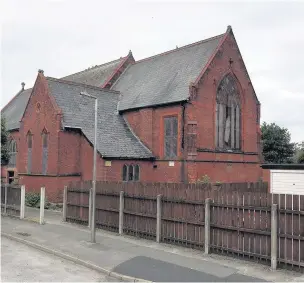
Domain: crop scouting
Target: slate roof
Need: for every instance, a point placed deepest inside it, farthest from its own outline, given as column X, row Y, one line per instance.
column 164, row 78
column 115, row 138
column 14, row 110
column 97, row 75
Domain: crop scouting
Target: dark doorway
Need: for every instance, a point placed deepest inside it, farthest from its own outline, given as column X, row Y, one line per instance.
column 11, row 175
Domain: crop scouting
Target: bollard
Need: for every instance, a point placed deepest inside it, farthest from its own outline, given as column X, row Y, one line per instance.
column 64, row 207
column 42, row 199
column 274, row 236
column 158, row 219
column 121, row 214
column 207, row 225
column 22, row 203
column 5, row 199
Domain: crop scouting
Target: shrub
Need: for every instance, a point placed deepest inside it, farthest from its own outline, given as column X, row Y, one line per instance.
column 32, row 199
column 204, row 180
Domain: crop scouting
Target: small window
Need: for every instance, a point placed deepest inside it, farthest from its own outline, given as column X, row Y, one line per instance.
column 125, row 172
column 136, row 173
column 130, row 173
column 12, row 153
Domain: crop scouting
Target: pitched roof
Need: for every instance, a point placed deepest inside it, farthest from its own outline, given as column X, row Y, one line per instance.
column 115, row 139
column 96, row 75
column 164, row 78
column 14, row 110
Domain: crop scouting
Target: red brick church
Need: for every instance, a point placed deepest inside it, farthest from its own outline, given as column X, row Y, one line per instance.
column 173, row 117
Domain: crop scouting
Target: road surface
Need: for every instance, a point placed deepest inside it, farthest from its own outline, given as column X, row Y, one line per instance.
column 22, row 263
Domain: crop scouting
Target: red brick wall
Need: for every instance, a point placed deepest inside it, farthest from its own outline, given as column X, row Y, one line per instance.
column 147, row 124
column 202, row 110
column 35, row 120
column 69, row 152
column 53, row 185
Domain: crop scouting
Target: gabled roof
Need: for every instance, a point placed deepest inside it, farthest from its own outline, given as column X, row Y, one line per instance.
column 96, row 75
column 115, row 139
column 14, row 110
column 164, row 78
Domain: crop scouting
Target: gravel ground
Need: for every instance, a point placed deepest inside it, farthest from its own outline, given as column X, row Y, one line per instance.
column 22, row 263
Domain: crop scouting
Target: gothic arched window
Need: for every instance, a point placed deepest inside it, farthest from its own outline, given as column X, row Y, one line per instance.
column 228, row 114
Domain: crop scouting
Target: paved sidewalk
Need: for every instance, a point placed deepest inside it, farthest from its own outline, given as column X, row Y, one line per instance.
column 141, row 258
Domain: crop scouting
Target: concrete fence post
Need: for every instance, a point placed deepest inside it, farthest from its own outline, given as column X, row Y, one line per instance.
column 64, row 206
column 207, row 225
column 158, row 218
column 90, row 208
column 42, row 200
column 121, row 212
column 5, row 199
column 22, row 202
column 274, row 236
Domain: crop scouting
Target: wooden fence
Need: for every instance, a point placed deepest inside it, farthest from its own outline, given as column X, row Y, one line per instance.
column 240, row 217
column 11, row 199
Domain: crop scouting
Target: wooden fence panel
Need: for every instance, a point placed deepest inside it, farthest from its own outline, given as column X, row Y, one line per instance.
column 240, row 220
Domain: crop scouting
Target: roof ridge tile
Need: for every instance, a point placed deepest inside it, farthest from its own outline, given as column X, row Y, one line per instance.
column 95, row 67
column 179, row 48
column 81, row 84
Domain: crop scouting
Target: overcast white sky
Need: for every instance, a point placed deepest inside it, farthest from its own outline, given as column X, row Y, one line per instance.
column 63, row 37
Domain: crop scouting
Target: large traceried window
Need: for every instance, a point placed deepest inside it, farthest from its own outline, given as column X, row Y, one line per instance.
column 12, row 153
column 44, row 151
column 29, row 138
column 228, row 114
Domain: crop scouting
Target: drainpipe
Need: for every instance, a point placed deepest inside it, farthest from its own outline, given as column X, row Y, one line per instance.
column 183, row 167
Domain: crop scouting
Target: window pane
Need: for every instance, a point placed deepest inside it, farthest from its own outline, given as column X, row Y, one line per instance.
column 170, row 138
column 45, row 140
column 29, row 141
column 124, row 173
column 29, row 161
column 136, row 174
column 168, row 130
column 44, row 160
column 131, row 173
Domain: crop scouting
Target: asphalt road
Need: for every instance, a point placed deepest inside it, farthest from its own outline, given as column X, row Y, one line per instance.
column 20, row 263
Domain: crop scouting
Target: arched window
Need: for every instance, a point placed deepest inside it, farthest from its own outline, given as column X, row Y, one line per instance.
column 29, row 138
column 228, row 114
column 44, row 151
column 125, row 173
column 130, row 173
column 12, row 153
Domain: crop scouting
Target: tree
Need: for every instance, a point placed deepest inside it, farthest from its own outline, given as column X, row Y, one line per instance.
column 4, row 143
column 299, row 153
column 300, row 159
column 277, row 147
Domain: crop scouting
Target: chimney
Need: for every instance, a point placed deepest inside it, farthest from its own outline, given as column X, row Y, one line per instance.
column 22, row 86
column 40, row 71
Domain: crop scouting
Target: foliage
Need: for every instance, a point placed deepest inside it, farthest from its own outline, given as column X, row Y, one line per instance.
column 299, row 153
column 277, row 147
column 204, row 180
column 4, row 143
column 33, row 200
column 301, row 158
